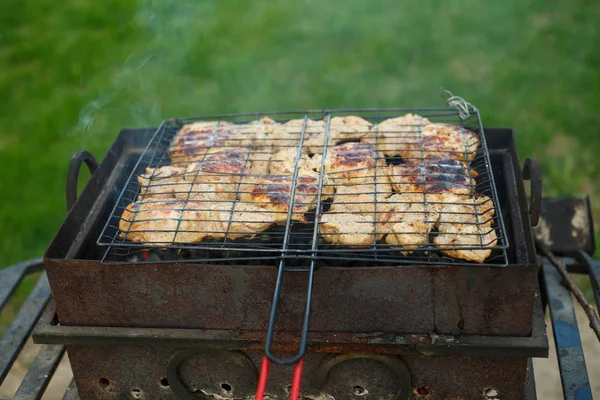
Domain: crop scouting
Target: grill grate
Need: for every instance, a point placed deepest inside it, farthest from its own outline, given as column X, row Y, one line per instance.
column 371, row 190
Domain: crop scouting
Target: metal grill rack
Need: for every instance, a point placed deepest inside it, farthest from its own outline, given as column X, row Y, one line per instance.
column 272, row 165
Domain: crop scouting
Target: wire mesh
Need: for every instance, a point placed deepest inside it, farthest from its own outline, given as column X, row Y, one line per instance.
column 378, row 185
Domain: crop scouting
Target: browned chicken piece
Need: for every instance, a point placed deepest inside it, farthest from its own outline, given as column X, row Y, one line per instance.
column 418, row 142
column 161, row 183
column 433, row 176
column 351, row 219
column 217, row 177
column 246, row 220
column 466, row 221
column 259, row 130
column 393, row 135
column 351, row 163
column 226, row 166
column 415, row 216
column 356, row 164
column 162, row 222
column 179, row 221
column 173, row 183
column 284, row 162
column 443, row 141
column 351, row 230
column 230, row 163
column 349, row 128
column 288, row 135
column 273, row 193
column 259, row 160
column 195, row 141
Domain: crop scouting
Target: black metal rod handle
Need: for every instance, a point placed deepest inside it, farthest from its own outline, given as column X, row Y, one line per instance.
column 73, row 174
column 532, row 172
column 272, row 319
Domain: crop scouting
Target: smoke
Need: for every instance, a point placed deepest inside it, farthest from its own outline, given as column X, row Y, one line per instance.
column 144, row 89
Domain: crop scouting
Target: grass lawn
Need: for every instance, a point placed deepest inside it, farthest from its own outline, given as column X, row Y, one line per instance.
column 73, row 73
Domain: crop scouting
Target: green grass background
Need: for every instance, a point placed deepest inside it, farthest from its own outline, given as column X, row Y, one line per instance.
column 73, row 73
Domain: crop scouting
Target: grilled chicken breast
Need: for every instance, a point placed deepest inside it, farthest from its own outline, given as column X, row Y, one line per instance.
column 466, row 221
column 288, row 135
column 414, row 217
column 160, row 183
column 415, row 139
column 432, row 176
column 283, row 162
column 274, row 193
column 178, row 221
column 392, row 136
column 195, row 141
column 355, row 219
column 356, row 164
column 346, row 129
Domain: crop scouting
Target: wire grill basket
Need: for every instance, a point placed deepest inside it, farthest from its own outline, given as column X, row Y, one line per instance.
column 378, row 186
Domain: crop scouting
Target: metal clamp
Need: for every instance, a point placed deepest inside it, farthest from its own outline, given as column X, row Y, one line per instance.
column 73, row 174
column 533, row 173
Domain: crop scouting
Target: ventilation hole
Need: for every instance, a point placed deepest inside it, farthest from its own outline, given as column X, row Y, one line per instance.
column 226, row 387
column 288, row 389
column 422, row 391
column 137, row 393
column 491, row 393
column 359, row 390
column 104, row 382
column 164, row 382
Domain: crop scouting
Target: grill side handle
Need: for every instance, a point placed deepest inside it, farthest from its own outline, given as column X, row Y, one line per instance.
column 73, row 174
column 532, row 172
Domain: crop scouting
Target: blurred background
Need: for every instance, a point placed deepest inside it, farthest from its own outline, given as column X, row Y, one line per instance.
column 73, row 73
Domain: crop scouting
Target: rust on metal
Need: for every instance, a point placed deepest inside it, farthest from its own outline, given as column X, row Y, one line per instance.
column 144, row 369
column 566, row 225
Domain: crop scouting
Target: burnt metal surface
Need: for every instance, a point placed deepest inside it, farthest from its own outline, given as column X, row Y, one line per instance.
column 389, row 300
column 440, row 378
column 571, row 361
column 566, row 225
column 536, row 345
column 345, row 298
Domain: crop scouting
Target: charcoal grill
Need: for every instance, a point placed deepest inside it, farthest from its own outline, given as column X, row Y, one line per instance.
column 388, row 326
column 299, row 242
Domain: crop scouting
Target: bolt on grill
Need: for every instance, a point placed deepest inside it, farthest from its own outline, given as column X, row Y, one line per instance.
column 381, row 186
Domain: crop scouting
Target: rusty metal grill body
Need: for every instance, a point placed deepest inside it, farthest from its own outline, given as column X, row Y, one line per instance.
column 290, row 239
column 440, row 322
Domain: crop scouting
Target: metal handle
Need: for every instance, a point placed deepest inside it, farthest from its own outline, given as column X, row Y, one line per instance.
column 533, row 173
column 264, row 378
column 73, row 174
